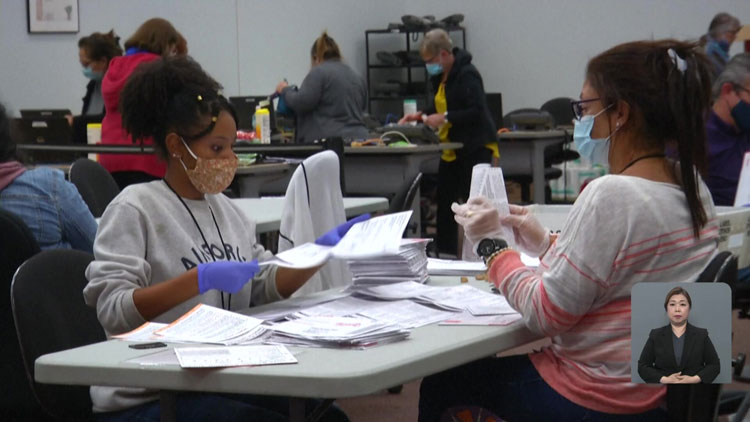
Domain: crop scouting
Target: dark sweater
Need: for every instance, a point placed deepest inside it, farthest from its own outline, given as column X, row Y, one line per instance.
column 470, row 118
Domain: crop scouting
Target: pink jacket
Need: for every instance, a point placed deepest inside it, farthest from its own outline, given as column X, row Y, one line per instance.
column 120, row 69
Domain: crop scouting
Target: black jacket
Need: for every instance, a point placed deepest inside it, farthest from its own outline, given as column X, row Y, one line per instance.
column 698, row 356
column 470, row 118
column 80, row 122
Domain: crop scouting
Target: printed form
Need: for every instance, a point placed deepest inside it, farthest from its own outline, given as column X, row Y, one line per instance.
column 374, row 237
column 207, row 324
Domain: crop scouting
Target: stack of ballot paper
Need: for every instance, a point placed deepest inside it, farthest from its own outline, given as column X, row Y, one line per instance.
column 455, row 298
column 408, row 264
column 207, row 324
column 338, row 332
column 367, row 239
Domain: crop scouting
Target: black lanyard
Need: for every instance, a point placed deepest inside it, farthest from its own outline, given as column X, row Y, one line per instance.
column 205, row 241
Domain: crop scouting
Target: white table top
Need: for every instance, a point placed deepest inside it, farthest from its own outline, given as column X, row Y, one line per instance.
column 322, row 373
column 266, row 211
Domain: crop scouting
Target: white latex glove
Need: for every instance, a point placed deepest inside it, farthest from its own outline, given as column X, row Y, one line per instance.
column 530, row 236
column 479, row 218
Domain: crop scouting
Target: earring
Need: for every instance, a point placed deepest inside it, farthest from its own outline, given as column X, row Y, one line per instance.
column 175, row 155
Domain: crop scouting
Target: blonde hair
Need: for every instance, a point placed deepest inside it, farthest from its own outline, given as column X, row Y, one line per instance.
column 435, row 41
column 325, row 48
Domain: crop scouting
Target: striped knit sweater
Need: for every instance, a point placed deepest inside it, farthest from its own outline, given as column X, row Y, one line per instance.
column 622, row 230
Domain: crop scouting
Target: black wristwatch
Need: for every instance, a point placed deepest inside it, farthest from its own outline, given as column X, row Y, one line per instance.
column 489, row 246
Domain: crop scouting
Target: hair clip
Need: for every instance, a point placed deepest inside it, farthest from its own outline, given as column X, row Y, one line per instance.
column 200, row 98
column 679, row 63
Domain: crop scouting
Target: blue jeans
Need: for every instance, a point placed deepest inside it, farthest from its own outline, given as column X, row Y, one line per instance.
column 512, row 389
column 221, row 407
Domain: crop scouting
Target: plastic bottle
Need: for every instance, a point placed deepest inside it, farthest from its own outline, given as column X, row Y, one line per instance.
column 263, row 125
column 93, row 137
column 410, row 107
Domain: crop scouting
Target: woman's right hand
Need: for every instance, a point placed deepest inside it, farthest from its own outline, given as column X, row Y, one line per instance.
column 411, row 117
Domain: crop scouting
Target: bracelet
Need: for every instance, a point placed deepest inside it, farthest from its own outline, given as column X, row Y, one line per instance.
column 488, row 261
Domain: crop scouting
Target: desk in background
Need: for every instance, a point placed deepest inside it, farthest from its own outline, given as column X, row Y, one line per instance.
column 266, row 212
column 251, row 178
column 522, row 152
column 320, row 373
column 379, row 171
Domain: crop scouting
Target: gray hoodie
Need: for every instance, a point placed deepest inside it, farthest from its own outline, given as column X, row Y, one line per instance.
column 329, row 103
column 145, row 237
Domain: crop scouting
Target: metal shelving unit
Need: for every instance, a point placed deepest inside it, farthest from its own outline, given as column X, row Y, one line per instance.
column 409, row 67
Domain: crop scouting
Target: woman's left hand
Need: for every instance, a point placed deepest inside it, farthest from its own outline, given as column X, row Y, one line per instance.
column 281, row 85
column 686, row 379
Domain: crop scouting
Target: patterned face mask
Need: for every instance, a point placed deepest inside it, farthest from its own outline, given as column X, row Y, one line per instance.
column 210, row 176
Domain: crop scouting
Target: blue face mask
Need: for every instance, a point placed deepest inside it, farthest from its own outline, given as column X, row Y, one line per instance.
column 91, row 74
column 594, row 150
column 434, row 69
column 741, row 116
column 724, row 45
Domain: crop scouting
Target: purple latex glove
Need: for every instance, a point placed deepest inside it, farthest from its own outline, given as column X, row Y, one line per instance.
column 227, row 276
column 333, row 236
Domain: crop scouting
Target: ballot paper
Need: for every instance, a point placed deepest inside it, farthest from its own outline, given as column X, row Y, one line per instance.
column 405, row 314
column 282, row 309
column 370, row 238
column 409, row 263
column 493, row 320
column 437, row 266
column 142, row 333
column 326, row 331
column 207, row 324
column 341, row 307
column 395, row 291
column 462, row 297
column 160, row 358
column 219, row 357
column 454, row 298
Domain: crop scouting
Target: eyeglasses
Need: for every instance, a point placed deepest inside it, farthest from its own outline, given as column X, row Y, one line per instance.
column 577, row 109
column 741, row 88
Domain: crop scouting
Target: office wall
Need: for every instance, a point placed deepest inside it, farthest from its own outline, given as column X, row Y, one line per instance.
column 530, row 50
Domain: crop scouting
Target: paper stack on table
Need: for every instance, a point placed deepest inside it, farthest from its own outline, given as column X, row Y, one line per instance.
column 337, row 332
column 207, row 324
column 455, row 298
column 408, row 264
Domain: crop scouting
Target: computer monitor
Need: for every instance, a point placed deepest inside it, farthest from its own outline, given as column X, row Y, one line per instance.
column 44, row 113
column 44, row 131
column 245, row 108
column 495, row 104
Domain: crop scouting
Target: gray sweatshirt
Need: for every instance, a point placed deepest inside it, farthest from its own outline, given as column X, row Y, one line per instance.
column 329, row 103
column 146, row 236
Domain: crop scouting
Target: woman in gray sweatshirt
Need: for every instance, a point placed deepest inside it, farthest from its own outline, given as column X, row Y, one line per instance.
column 164, row 246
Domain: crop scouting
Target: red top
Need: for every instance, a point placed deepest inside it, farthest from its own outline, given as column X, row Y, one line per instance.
column 120, row 69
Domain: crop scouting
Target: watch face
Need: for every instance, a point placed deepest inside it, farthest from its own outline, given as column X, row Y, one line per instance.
column 488, row 246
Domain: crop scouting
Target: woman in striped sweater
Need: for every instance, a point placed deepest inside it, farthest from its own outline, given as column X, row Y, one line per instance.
column 650, row 220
